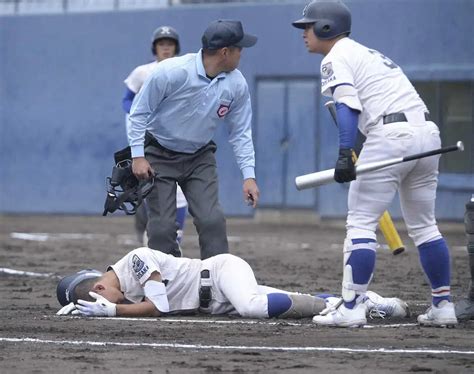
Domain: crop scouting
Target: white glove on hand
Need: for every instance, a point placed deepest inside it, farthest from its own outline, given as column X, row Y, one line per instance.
column 100, row 307
column 65, row 310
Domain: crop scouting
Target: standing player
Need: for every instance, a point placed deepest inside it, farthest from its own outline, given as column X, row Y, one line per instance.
column 373, row 94
column 179, row 108
column 146, row 282
column 164, row 44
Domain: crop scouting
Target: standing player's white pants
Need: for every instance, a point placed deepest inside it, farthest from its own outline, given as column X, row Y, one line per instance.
column 416, row 181
column 235, row 289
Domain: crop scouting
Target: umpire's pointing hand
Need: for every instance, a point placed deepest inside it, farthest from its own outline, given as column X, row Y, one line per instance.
column 251, row 192
column 141, row 168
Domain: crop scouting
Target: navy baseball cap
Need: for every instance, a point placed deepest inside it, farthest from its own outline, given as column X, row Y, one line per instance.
column 226, row 33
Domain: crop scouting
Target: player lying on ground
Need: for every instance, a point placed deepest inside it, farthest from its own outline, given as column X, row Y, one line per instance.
column 147, row 283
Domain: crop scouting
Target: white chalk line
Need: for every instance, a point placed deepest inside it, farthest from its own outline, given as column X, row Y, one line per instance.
column 27, row 273
column 238, row 347
column 227, row 322
column 129, row 239
column 44, row 236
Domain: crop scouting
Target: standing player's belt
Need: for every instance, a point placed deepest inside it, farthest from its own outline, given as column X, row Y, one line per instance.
column 205, row 293
column 400, row 117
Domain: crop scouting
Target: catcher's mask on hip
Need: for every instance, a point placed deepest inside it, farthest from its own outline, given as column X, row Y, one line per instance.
column 124, row 191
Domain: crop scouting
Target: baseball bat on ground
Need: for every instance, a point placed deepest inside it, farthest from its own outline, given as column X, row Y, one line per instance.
column 321, row 178
column 386, row 225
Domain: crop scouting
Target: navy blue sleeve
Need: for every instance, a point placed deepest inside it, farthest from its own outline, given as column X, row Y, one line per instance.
column 347, row 119
column 127, row 100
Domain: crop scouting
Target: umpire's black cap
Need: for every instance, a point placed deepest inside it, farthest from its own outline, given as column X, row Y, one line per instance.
column 226, row 33
column 66, row 286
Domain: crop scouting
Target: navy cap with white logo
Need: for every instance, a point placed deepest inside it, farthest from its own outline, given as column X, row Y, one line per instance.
column 226, row 33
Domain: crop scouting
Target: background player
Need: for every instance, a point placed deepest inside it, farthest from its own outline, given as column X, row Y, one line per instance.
column 164, row 44
column 147, row 282
column 373, row 94
column 178, row 110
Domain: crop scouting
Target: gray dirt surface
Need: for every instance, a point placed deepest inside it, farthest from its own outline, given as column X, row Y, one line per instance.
column 300, row 258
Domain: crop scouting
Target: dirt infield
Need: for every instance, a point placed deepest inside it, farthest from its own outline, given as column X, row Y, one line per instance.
column 307, row 259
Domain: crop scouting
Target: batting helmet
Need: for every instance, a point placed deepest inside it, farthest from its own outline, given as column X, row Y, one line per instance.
column 165, row 32
column 330, row 18
column 67, row 286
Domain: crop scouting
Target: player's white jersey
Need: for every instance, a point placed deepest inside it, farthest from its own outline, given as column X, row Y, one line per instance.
column 381, row 85
column 181, row 276
column 139, row 75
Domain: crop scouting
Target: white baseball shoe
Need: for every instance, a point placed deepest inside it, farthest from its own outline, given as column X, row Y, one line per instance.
column 342, row 316
column 442, row 315
column 384, row 307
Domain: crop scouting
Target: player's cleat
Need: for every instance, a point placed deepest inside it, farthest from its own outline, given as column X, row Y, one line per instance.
column 442, row 315
column 342, row 316
column 383, row 307
column 464, row 309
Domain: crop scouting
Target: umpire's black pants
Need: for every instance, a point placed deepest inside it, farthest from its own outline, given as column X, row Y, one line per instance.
column 197, row 175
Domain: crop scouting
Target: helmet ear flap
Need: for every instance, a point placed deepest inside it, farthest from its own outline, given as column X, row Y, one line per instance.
column 323, row 28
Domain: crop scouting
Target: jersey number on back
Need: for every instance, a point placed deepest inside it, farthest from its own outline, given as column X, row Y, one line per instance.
column 386, row 61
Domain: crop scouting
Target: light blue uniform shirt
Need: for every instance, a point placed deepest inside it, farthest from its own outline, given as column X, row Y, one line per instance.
column 181, row 108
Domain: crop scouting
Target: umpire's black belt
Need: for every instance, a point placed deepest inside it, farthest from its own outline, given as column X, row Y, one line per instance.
column 400, row 117
column 205, row 293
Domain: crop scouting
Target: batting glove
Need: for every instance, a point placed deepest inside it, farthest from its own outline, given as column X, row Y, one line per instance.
column 100, row 307
column 345, row 166
column 65, row 310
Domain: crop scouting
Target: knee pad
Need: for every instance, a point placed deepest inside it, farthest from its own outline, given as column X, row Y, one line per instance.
column 352, row 287
column 357, row 232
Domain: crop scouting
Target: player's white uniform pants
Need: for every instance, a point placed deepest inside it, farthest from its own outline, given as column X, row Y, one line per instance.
column 235, row 289
column 416, row 181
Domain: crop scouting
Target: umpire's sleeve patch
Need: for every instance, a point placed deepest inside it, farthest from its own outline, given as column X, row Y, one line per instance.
column 139, row 267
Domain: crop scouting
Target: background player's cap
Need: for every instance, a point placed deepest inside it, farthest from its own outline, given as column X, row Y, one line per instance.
column 66, row 286
column 226, row 33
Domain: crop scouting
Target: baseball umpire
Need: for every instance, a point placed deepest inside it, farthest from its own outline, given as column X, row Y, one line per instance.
column 147, row 282
column 178, row 110
column 373, row 94
column 164, row 44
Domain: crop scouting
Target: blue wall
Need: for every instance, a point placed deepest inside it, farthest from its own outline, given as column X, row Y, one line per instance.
column 62, row 79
